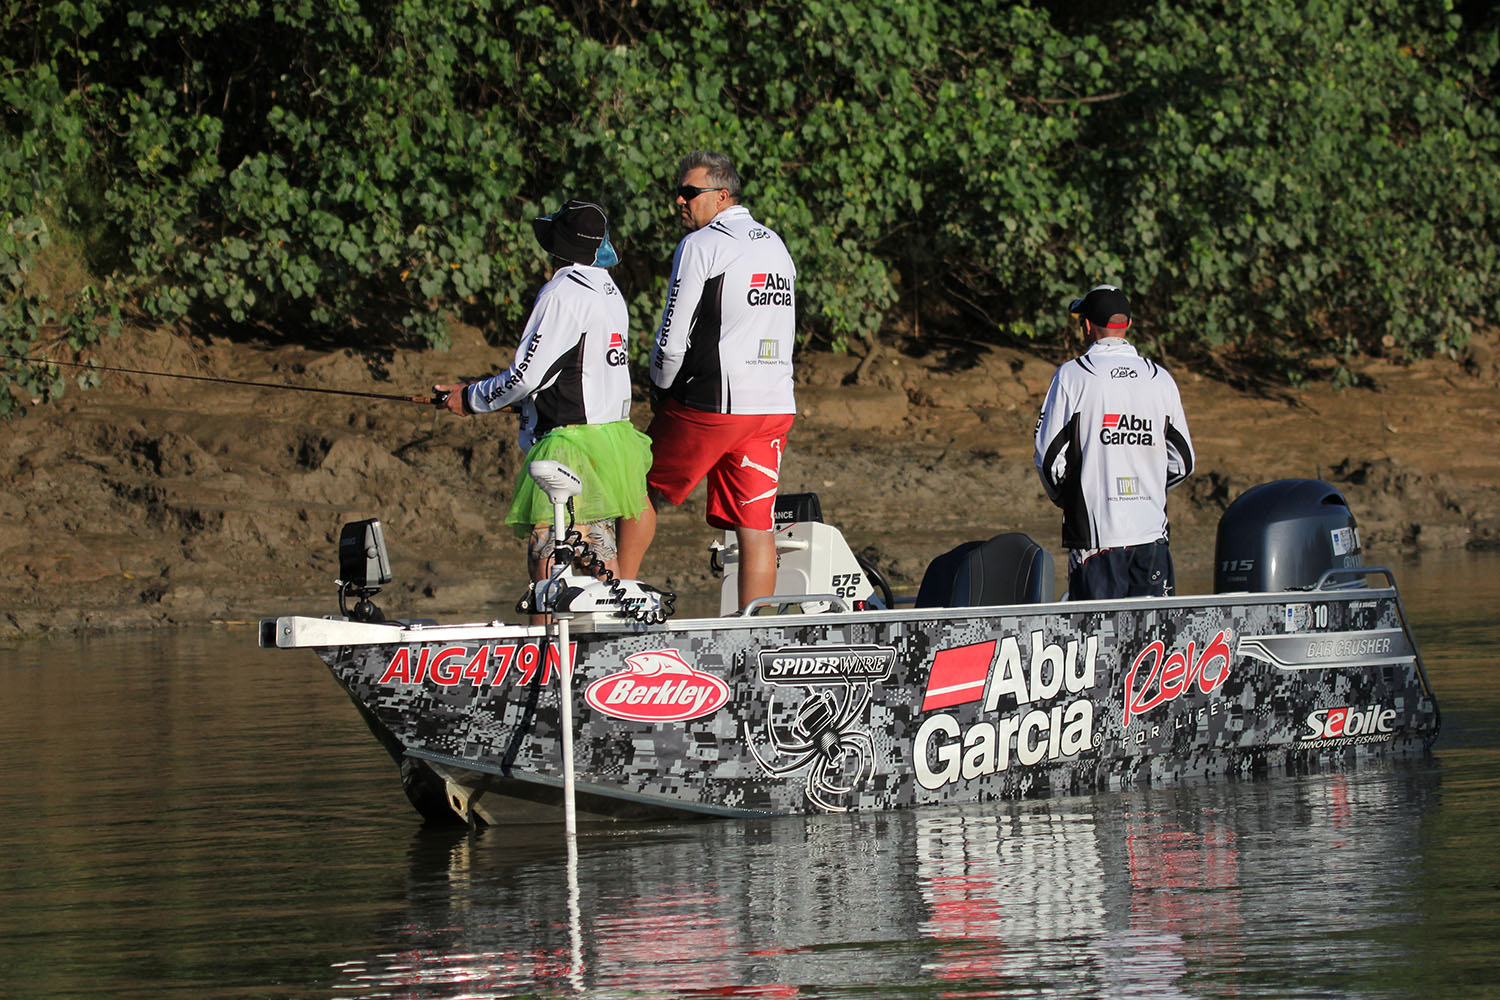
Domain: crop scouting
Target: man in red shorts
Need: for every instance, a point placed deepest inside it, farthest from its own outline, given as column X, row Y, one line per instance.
column 722, row 365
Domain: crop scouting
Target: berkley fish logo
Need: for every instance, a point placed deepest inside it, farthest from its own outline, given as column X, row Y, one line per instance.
column 659, row 686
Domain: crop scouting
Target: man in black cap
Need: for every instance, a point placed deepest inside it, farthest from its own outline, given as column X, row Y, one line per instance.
column 1110, row 441
column 571, row 382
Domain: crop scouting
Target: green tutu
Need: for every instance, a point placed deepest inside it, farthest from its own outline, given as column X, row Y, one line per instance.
column 611, row 459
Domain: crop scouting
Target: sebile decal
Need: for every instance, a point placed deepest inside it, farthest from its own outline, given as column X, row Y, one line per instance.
column 825, row 735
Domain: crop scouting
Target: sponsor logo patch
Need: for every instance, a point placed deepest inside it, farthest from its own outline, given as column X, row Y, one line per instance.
column 769, row 289
column 1157, row 677
column 1371, row 722
column 658, row 686
column 825, row 664
column 1126, row 428
column 616, row 354
column 1008, row 684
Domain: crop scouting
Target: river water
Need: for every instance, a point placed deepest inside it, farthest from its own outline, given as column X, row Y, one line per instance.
column 184, row 814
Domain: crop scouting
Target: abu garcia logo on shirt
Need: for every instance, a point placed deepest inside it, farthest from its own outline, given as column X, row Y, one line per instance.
column 616, row 354
column 769, row 290
column 1126, row 428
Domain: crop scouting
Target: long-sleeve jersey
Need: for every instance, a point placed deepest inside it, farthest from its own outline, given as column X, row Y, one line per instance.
column 727, row 332
column 571, row 364
column 1111, row 440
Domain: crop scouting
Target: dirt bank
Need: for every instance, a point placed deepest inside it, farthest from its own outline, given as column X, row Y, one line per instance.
column 150, row 501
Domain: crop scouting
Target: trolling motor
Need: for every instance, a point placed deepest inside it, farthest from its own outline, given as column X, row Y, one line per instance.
column 364, row 567
column 597, row 591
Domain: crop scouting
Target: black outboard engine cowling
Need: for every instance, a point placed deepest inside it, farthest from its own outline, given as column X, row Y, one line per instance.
column 1284, row 535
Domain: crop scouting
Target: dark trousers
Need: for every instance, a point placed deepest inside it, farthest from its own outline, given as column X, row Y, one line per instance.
column 1127, row 571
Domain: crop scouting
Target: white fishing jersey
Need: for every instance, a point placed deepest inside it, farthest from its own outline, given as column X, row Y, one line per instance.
column 727, row 332
column 571, row 365
column 1110, row 442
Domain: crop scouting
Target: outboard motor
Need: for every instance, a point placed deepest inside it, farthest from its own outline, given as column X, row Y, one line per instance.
column 1284, row 535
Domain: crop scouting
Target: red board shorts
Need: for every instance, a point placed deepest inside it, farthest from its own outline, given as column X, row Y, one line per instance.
column 740, row 454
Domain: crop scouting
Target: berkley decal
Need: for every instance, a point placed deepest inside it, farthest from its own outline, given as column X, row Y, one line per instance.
column 450, row 666
column 659, row 686
column 825, row 664
column 993, row 672
column 1171, row 676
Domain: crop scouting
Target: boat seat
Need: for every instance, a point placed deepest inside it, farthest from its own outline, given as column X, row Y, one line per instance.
column 1008, row 569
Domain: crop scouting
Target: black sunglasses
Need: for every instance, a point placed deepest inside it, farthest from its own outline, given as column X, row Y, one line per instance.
column 688, row 192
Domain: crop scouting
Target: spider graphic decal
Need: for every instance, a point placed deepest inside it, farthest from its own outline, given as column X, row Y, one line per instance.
column 824, row 737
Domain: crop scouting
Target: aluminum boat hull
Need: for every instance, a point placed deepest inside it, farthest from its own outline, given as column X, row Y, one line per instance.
column 875, row 710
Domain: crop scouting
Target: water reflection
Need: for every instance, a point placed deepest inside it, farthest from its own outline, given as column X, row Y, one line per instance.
column 1183, row 892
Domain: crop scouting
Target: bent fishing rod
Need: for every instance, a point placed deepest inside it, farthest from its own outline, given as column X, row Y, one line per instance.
column 438, row 399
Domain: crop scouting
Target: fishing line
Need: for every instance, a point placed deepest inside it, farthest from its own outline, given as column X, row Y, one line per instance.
column 436, row 400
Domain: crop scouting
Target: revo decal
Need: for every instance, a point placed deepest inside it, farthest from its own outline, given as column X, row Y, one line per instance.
column 658, row 686
column 1170, row 676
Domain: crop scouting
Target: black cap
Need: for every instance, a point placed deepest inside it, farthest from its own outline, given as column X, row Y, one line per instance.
column 579, row 231
column 1101, row 302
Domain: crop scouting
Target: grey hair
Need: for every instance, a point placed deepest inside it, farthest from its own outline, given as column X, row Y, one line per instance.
column 721, row 172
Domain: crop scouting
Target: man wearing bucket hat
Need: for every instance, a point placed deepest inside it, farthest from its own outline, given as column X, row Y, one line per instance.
column 722, row 368
column 1110, row 442
column 571, row 382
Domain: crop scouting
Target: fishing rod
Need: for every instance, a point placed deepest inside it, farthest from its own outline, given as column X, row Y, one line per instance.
column 437, row 399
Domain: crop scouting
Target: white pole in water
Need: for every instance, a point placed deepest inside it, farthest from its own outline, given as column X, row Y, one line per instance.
column 560, row 483
column 564, row 664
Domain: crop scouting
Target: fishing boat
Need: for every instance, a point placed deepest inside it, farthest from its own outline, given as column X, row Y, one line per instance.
column 834, row 696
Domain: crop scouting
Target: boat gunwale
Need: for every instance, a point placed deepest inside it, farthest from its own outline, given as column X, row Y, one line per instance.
column 584, row 626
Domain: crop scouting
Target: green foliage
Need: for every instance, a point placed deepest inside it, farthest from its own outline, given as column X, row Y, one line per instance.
column 1273, row 180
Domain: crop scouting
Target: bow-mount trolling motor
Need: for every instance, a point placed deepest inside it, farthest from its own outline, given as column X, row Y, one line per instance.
column 597, row 590
column 364, row 567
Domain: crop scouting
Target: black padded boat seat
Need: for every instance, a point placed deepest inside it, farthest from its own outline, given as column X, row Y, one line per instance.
column 1007, row 569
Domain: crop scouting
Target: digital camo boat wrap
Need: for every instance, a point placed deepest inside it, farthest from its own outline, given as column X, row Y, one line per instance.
column 882, row 710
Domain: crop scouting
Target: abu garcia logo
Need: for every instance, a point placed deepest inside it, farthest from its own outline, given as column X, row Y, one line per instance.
column 1035, row 709
column 616, row 354
column 1126, row 428
column 768, row 289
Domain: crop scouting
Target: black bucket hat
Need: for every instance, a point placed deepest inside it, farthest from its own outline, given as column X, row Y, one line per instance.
column 579, row 232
